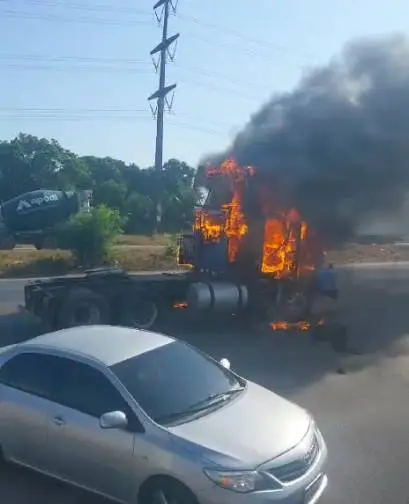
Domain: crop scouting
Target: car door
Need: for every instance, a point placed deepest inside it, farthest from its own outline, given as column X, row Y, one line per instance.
column 84, row 453
column 27, row 385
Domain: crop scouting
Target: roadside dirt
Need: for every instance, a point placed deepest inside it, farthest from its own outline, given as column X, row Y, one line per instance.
column 357, row 253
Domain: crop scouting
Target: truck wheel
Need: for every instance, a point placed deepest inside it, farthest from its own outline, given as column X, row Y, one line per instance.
column 141, row 312
column 296, row 307
column 49, row 243
column 83, row 307
column 39, row 244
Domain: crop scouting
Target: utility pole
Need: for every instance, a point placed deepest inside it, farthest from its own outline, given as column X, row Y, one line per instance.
column 165, row 8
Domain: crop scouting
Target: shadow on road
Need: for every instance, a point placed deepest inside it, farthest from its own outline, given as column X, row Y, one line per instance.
column 17, row 485
column 377, row 315
column 17, row 327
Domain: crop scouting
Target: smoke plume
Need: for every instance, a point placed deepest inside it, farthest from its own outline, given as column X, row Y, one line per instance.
column 338, row 144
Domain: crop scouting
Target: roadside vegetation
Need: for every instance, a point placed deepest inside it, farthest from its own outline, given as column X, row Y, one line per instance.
column 92, row 240
column 33, row 263
column 161, row 240
column 119, row 229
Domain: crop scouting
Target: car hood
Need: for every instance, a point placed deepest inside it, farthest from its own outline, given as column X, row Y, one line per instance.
column 251, row 429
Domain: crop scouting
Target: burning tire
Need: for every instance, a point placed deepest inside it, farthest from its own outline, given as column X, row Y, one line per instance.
column 83, row 307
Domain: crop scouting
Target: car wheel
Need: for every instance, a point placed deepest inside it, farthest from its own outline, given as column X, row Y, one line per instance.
column 168, row 492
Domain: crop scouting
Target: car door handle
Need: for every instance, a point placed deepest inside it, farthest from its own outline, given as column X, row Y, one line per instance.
column 59, row 421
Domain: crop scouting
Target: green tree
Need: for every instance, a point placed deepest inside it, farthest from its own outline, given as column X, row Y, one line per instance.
column 28, row 163
column 178, row 195
column 139, row 214
column 112, row 194
column 90, row 235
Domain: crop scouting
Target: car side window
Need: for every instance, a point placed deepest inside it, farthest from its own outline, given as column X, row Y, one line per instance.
column 86, row 389
column 33, row 373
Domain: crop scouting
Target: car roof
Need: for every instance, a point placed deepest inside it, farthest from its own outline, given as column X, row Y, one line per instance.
column 108, row 344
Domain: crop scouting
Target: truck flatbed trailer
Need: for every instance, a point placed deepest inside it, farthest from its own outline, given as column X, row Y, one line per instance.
column 107, row 296
column 154, row 300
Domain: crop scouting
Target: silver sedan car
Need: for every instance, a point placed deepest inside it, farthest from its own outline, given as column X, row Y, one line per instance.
column 140, row 417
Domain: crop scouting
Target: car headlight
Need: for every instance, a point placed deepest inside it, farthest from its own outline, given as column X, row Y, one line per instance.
column 241, row 481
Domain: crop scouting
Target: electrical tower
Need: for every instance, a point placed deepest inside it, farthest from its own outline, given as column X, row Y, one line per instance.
column 165, row 8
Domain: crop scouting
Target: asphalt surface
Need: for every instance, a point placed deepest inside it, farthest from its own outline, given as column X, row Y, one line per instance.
column 364, row 414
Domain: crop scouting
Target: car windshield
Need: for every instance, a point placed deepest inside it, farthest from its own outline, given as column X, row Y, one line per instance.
column 172, row 379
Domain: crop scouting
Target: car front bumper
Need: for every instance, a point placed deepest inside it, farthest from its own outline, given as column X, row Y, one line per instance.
column 306, row 490
column 299, row 496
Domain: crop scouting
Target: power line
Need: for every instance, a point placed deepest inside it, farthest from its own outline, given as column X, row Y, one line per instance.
column 97, row 69
column 64, row 19
column 127, row 10
column 84, row 111
column 237, row 93
column 160, row 95
column 185, row 125
column 258, row 53
column 75, row 59
column 237, row 34
column 84, row 7
column 30, row 62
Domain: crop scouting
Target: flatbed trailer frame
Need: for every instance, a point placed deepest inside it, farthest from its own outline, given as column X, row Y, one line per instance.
column 106, row 296
column 145, row 301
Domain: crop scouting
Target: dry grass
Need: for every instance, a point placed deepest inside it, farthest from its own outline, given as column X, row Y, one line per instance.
column 35, row 263
column 26, row 263
column 144, row 260
column 140, row 240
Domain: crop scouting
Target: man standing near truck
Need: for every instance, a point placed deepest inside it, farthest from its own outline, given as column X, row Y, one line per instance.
column 324, row 309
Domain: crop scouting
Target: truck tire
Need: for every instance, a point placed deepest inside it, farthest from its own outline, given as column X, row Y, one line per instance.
column 39, row 244
column 45, row 242
column 83, row 307
column 140, row 311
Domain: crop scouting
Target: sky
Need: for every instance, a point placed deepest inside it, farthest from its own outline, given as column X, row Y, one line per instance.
column 80, row 71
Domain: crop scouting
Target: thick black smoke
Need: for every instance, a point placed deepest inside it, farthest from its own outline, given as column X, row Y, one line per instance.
column 338, row 145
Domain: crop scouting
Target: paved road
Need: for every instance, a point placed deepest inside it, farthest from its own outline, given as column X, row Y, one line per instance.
column 364, row 414
column 11, row 294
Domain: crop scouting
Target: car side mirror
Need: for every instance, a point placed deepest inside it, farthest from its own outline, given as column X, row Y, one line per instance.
column 113, row 420
column 225, row 363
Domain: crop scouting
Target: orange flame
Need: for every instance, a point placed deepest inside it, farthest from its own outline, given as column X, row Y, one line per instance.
column 302, row 325
column 210, row 226
column 285, row 234
column 231, row 223
column 180, row 306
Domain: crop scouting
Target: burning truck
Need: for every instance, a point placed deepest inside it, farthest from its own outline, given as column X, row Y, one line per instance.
column 248, row 257
column 252, row 255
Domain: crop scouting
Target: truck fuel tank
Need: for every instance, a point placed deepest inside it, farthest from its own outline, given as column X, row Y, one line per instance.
column 217, row 296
